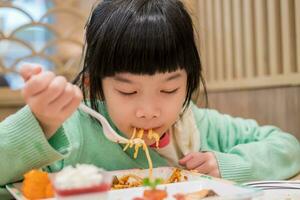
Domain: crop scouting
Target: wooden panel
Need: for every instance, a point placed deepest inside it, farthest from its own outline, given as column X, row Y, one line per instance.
column 210, row 41
column 254, row 40
column 274, row 35
column 10, row 102
column 238, row 38
column 202, row 30
column 261, row 33
column 9, row 97
column 297, row 22
column 228, row 40
column 6, row 111
column 248, row 31
column 275, row 106
column 288, row 36
column 219, row 57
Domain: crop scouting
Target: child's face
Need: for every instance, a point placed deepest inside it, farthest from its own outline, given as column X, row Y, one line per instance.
column 144, row 101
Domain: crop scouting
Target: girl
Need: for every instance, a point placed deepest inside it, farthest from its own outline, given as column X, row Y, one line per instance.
column 141, row 67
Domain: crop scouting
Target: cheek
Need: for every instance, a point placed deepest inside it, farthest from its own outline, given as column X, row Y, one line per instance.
column 172, row 113
column 172, row 109
column 120, row 114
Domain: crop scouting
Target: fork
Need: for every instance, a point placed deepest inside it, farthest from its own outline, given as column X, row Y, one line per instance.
column 107, row 129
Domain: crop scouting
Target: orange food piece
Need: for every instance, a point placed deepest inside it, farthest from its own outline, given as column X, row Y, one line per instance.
column 155, row 194
column 37, row 185
column 49, row 191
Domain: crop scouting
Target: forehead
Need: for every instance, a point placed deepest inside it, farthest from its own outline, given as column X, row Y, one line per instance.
column 160, row 77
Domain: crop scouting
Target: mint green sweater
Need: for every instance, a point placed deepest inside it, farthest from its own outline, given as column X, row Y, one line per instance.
column 244, row 150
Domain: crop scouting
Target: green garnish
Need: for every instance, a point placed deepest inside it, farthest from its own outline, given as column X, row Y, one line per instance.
column 152, row 183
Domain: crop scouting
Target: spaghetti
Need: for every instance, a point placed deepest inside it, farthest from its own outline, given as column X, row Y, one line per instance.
column 151, row 135
column 132, row 180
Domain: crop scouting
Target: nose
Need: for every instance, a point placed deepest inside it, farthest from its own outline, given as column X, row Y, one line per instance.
column 148, row 112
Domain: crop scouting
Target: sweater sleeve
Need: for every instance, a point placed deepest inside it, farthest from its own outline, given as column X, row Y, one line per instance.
column 246, row 151
column 24, row 146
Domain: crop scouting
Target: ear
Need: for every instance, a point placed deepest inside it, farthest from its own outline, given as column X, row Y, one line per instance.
column 86, row 82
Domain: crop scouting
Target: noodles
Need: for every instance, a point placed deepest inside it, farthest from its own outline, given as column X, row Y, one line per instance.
column 131, row 180
column 175, row 177
column 130, row 144
column 145, row 148
column 137, row 146
column 155, row 136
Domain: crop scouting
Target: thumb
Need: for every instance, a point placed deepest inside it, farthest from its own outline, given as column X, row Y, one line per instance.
column 28, row 70
column 185, row 159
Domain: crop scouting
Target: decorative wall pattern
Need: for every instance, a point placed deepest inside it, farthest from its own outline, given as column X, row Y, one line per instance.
column 49, row 32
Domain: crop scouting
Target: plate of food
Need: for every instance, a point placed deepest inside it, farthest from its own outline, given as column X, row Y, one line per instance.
column 190, row 190
column 88, row 182
column 175, row 184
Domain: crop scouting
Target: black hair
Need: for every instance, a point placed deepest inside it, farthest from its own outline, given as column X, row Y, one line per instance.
column 139, row 37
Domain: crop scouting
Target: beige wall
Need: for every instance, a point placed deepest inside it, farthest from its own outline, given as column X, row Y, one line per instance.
column 274, row 106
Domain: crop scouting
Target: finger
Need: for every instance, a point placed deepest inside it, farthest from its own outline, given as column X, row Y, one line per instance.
column 195, row 162
column 185, row 159
column 56, row 88
column 28, row 70
column 72, row 106
column 205, row 168
column 38, row 83
column 64, row 99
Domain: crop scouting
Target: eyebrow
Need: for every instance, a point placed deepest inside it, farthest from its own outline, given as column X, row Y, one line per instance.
column 174, row 76
column 122, row 79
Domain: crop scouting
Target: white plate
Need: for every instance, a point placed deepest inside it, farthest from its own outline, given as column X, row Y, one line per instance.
column 224, row 190
column 15, row 190
column 278, row 190
column 279, row 194
column 195, row 182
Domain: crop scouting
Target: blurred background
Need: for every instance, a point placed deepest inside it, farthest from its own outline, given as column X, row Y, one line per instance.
column 250, row 52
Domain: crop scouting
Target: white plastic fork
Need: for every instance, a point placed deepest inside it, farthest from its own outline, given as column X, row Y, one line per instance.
column 107, row 129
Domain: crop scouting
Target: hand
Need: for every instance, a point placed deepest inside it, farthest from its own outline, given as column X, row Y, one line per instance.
column 51, row 98
column 203, row 162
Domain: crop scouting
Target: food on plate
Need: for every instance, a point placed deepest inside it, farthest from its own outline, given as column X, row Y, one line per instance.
column 175, row 177
column 132, row 180
column 127, row 181
column 158, row 194
column 201, row 194
column 153, row 193
column 37, row 185
column 80, row 181
column 140, row 134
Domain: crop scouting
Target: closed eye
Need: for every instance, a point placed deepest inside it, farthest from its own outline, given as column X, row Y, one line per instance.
column 127, row 93
column 169, row 91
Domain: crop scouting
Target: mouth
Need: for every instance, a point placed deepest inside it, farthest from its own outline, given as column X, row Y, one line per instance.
column 151, row 136
column 147, row 130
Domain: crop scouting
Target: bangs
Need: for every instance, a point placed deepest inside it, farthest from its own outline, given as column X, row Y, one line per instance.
column 143, row 38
